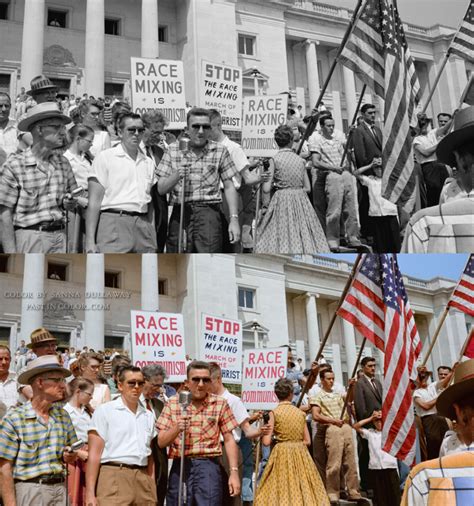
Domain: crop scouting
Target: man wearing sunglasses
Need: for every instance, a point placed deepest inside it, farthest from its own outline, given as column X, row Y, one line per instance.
column 120, row 467
column 119, row 216
column 208, row 417
column 202, row 169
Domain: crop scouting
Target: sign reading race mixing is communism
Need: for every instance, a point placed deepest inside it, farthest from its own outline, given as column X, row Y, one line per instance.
column 158, row 338
column 221, row 342
column 221, row 89
column 262, row 115
column 159, row 84
column 262, row 368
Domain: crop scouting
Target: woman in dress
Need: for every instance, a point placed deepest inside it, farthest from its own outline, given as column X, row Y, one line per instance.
column 290, row 224
column 290, row 477
column 89, row 365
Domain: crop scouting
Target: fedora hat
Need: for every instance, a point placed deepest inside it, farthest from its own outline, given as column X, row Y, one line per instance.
column 42, row 111
column 40, row 83
column 462, row 387
column 40, row 365
column 463, row 132
column 39, row 336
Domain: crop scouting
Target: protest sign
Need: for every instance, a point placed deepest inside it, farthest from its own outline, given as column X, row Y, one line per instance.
column 159, row 84
column 221, row 342
column 262, row 368
column 158, row 338
column 221, row 89
column 262, row 115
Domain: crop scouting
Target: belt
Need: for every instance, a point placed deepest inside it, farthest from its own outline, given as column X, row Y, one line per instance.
column 213, row 205
column 44, row 479
column 121, row 212
column 212, row 459
column 45, row 226
column 126, row 466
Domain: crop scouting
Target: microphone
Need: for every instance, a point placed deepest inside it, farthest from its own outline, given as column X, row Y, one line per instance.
column 183, row 145
column 184, row 400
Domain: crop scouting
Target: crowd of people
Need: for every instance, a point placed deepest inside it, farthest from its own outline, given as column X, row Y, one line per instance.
column 89, row 175
column 92, row 428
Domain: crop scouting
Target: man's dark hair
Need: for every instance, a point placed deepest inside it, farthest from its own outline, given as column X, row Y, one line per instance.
column 198, row 364
column 123, row 370
column 213, row 114
column 127, row 115
column 283, row 388
column 444, row 367
column 366, row 360
column 6, row 95
column 197, row 111
column 119, row 361
column 323, row 373
column 153, row 370
column 366, row 107
column 325, row 367
column 215, row 369
column 323, row 118
column 444, row 114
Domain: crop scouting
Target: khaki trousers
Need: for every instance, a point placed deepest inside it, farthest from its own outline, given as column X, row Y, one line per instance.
column 38, row 494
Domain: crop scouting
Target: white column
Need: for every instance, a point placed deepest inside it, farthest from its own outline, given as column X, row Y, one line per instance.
column 150, row 29
column 350, row 92
column 33, row 294
column 150, row 296
column 312, row 71
column 336, row 363
column 95, row 48
column 336, row 109
column 312, row 325
column 33, row 41
column 350, row 344
column 94, row 298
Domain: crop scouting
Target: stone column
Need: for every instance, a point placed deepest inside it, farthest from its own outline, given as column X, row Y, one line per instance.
column 33, row 294
column 150, row 43
column 94, row 327
column 350, row 344
column 312, row 325
column 95, row 48
column 350, row 92
column 33, row 41
column 312, row 71
column 150, row 296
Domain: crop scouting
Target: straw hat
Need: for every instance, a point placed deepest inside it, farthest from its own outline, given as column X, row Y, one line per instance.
column 463, row 132
column 40, row 335
column 40, row 365
column 40, row 83
column 42, row 111
column 463, row 386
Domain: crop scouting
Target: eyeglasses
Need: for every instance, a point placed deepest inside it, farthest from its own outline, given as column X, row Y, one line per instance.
column 135, row 383
column 56, row 380
column 90, row 141
column 90, row 394
column 198, row 127
column 198, row 380
column 138, row 131
column 95, row 367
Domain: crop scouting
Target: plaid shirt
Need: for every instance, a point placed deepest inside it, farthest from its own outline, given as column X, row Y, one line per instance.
column 331, row 403
column 35, row 192
column 331, row 150
column 206, row 424
column 33, row 447
column 203, row 181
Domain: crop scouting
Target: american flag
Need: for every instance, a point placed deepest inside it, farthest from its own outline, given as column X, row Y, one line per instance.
column 377, row 305
column 377, row 52
column 463, row 295
column 463, row 42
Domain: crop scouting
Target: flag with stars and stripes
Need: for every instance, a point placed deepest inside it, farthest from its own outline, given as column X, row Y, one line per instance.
column 377, row 52
column 463, row 295
column 378, row 307
column 463, row 42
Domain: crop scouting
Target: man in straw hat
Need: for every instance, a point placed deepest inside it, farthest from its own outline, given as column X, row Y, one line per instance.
column 42, row 90
column 447, row 228
column 449, row 480
column 36, row 186
column 35, row 439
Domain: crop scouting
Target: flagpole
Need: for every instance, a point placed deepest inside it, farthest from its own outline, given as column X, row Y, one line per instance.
column 351, row 129
column 354, row 372
column 314, row 116
column 312, row 377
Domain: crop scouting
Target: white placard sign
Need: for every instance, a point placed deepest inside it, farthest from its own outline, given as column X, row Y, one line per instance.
column 221, row 89
column 221, row 342
column 262, row 368
column 158, row 338
column 159, row 84
column 262, row 115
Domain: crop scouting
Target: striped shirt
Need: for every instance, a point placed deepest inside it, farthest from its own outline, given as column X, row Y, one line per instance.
column 213, row 164
column 330, row 150
column 207, row 422
column 35, row 192
column 35, row 448
column 331, row 403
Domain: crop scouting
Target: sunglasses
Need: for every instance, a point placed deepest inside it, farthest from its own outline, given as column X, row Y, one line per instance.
column 135, row 383
column 198, row 127
column 198, row 380
column 138, row 131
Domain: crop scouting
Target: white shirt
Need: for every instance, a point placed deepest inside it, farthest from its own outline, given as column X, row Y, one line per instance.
column 426, row 395
column 8, row 393
column 9, row 137
column 238, row 157
column 378, row 458
column 127, row 182
column 100, row 389
column 238, row 410
column 81, row 168
column 378, row 206
column 80, row 419
column 101, row 142
column 452, row 444
column 127, row 435
column 425, row 141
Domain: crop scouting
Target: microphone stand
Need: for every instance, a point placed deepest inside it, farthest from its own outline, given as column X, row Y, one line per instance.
column 182, row 483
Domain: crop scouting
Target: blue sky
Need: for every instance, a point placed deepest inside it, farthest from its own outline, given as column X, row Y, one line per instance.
column 425, row 266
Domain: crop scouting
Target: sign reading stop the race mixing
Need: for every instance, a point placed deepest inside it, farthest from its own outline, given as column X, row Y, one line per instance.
column 221, row 342
column 159, row 84
column 262, row 368
column 158, row 338
column 221, row 89
column 262, row 115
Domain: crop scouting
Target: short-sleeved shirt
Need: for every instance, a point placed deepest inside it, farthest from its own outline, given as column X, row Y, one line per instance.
column 35, row 448
column 35, row 192
column 8, row 393
column 238, row 410
column 238, row 157
column 127, row 435
column 127, row 182
column 330, row 150
column 378, row 458
column 81, row 167
column 330, row 403
column 9, row 138
column 80, row 419
column 452, row 444
column 212, row 418
column 212, row 165
column 378, row 206
column 426, row 142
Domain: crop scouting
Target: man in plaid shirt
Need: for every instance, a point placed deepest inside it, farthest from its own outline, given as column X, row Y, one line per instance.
column 203, row 167
column 206, row 419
